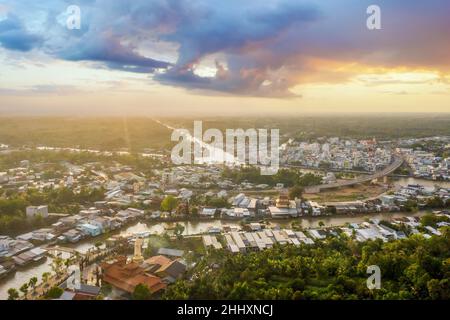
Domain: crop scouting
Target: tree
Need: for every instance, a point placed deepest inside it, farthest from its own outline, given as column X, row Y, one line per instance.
column 178, row 231
column 57, row 266
column 106, row 289
column 295, row 192
column 54, row 293
column 98, row 244
column 32, row 283
column 141, row 292
column 24, row 289
column 169, row 203
column 45, row 277
column 435, row 202
column 13, row 294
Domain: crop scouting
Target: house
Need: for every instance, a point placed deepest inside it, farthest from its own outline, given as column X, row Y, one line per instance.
column 238, row 199
column 317, row 234
column 231, row 245
column 260, row 242
column 58, row 227
column 4, row 177
column 211, row 241
column 433, row 231
column 369, row 234
column 170, row 252
column 91, row 212
column 208, row 212
column 36, row 211
column 14, row 247
column 165, row 268
column 44, row 234
column 267, row 241
column 254, row 226
column 249, row 240
column 30, row 256
column 280, row 237
column 237, row 213
column 70, row 221
column 238, row 241
column 284, row 208
column 387, row 200
column 101, row 222
column 72, row 236
column 91, row 230
column 124, row 277
column 4, row 243
column 316, row 209
column 84, row 292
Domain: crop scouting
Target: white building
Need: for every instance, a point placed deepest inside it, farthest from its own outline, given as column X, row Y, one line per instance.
column 34, row 211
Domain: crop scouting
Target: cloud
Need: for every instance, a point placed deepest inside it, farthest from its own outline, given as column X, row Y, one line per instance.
column 256, row 48
column 44, row 90
column 14, row 36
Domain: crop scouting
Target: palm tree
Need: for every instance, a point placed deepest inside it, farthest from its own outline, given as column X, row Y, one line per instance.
column 24, row 289
column 13, row 294
column 32, row 283
column 45, row 277
column 57, row 265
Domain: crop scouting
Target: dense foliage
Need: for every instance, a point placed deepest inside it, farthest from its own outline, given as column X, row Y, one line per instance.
column 288, row 177
column 98, row 133
column 413, row 268
column 59, row 200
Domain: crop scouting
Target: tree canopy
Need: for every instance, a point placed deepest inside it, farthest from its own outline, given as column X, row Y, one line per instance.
column 336, row 268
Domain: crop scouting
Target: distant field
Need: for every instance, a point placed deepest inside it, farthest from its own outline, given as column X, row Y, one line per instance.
column 358, row 192
column 380, row 126
column 138, row 133
column 104, row 133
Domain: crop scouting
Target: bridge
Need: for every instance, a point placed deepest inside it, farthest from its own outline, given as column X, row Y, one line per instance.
column 398, row 161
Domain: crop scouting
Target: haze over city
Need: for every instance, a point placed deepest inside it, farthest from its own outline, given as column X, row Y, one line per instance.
column 223, row 57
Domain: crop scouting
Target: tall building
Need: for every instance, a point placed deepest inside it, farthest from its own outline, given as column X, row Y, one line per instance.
column 138, row 258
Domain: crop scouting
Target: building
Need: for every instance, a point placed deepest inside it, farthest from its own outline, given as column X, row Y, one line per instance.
column 72, row 236
column 171, row 252
column 124, row 277
column 208, row 212
column 30, row 256
column 91, row 230
column 138, row 258
column 211, row 241
column 165, row 268
column 238, row 241
column 84, row 292
column 35, row 211
column 284, row 208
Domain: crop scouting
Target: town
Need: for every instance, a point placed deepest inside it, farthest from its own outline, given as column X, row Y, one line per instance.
column 109, row 202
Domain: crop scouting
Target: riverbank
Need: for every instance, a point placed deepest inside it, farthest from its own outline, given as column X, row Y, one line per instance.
column 22, row 275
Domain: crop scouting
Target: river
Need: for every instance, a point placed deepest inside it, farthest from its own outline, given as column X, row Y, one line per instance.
column 22, row 275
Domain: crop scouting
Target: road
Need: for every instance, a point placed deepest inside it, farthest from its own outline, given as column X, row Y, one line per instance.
column 398, row 161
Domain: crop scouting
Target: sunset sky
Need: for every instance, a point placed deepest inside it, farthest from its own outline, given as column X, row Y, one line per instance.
column 169, row 57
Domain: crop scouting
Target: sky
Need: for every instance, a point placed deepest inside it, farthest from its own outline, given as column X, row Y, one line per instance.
column 223, row 57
